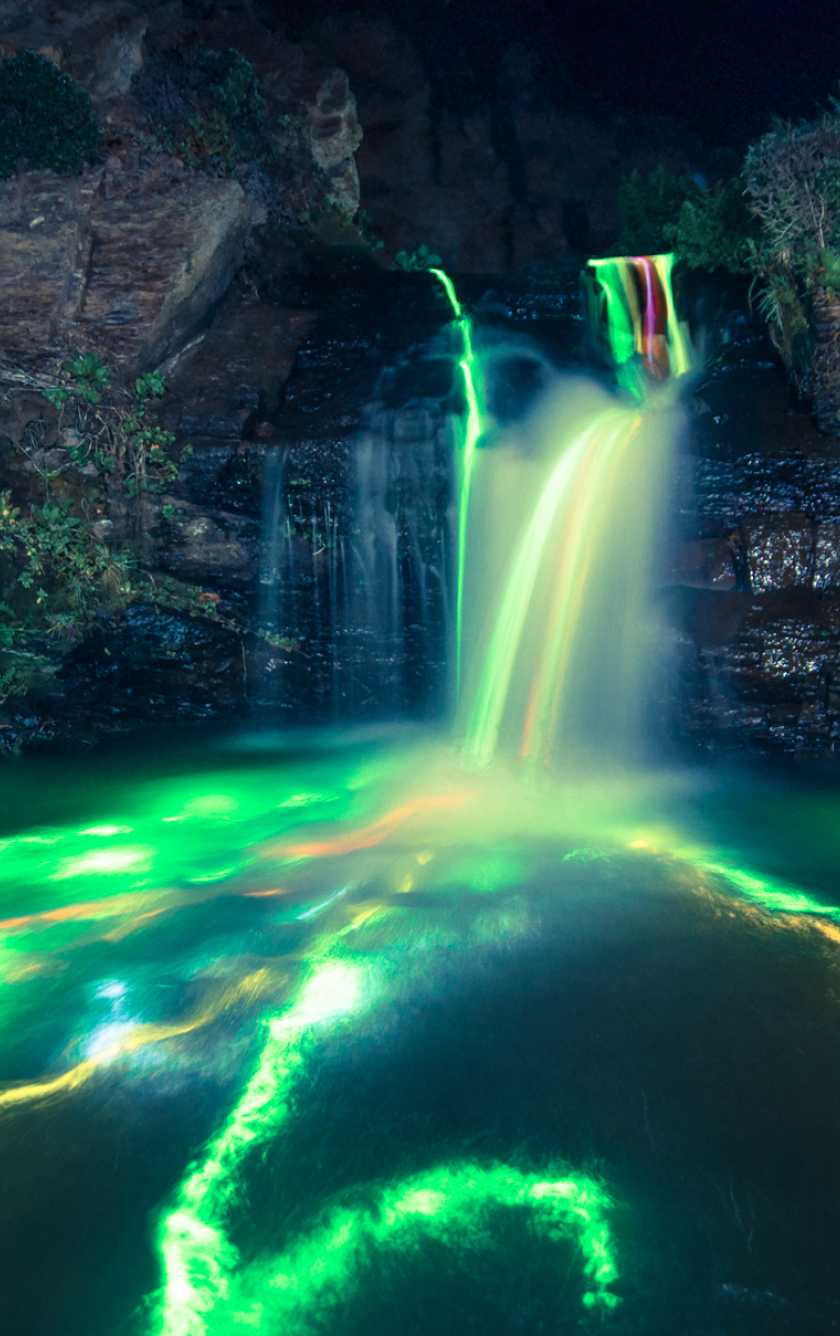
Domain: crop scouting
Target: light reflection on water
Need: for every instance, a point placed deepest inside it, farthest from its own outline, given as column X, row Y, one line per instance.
column 625, row 985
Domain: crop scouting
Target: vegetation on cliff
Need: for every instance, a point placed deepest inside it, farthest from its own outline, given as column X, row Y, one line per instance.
column 779, row 221
column 709, row 227
column 792, row 178
column 46, row 120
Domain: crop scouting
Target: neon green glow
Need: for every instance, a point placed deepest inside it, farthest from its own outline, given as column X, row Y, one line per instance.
column 449, row 289
column 197, row 1257
column 104, row 862
column 471, row 432
column 640, row 316
column 450, row 1204
column 584, row 524
column 777, row 896
column 574, row 577
column 485, row 716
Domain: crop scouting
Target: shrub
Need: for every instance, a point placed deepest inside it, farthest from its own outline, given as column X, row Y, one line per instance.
column 793, row 184
column 715, row 229
column 792, row 180
column 45, row 118
column 226, row 111
column 422, row 258
column 650, row 210
column 708, row 228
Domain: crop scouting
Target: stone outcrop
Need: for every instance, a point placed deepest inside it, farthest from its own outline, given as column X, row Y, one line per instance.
column 100, row 43
column 492, row 186
column 755, row 585
column 128, row 259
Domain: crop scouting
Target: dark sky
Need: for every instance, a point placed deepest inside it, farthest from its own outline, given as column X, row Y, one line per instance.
column 725, row 66
column 722, row 66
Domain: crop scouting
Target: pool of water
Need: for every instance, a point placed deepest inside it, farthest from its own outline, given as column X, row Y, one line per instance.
column 332, row 1034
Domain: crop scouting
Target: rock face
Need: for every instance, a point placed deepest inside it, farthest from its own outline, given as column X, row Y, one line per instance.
column 755, row 600
column 489, row 187
column 126, row 259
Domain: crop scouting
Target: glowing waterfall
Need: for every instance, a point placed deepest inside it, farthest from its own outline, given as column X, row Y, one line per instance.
column 466, row 456
column 631, row 299
column 563, row 518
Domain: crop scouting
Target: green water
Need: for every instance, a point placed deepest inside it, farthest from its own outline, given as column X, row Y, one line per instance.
column 345, row 1036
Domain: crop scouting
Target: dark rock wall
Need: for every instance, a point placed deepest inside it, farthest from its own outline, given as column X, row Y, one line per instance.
column 522, row 169
column 756, row 596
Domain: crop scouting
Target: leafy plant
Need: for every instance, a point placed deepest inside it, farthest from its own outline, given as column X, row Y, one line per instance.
column 793, row 185
column 650, row 209
column 46, row 119
column 227, row 111
column 364, row 223
column 715, row 229
column 210, row 144
column 792, row 180
column 422, row 258
column 232, row 84
column 150, row 385
column 57, row 564
column 89, row 374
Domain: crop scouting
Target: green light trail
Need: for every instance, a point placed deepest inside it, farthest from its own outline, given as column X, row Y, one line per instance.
column 777, row 896
column 197, row 1257
column 632, row 297
column 450, row 1204
column 485, row 716
column 584, row 537
column 206, row 1289
column 470, row 436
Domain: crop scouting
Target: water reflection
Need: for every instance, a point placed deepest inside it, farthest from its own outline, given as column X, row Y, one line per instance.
column 300, row 1040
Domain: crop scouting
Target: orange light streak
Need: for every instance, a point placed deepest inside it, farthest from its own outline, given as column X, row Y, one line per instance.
column 247, row 989
column 370, row 835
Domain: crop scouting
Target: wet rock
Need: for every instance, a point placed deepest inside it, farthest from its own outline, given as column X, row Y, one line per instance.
column 151, row 663
column 705, row 564
column 827, row 555
column 232, row 376
column 779, row 551
column 217, row 548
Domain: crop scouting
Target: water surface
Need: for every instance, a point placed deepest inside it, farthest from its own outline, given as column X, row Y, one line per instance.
column 333, row 1034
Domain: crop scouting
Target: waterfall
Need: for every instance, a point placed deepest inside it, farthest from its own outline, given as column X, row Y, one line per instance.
column 559, row 519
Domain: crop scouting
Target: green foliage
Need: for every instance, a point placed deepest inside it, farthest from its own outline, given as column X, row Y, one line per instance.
column 364, row 223
column 229, row 108
column 116, row 431
column 792, row 180
column 650, row 209
column 45, row 118
column 210, row 144
column 150, row 385
column 232, row 84
column 708, row 228
column 57, row 567
column 422, row 258
column 89, row 374
column 715, row 230
column 828, row 274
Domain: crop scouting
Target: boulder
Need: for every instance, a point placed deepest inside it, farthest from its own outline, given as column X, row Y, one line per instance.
column 127, row 259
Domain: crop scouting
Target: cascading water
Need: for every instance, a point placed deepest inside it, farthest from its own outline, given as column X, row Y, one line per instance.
column 337, row 1034
column 556, row 533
